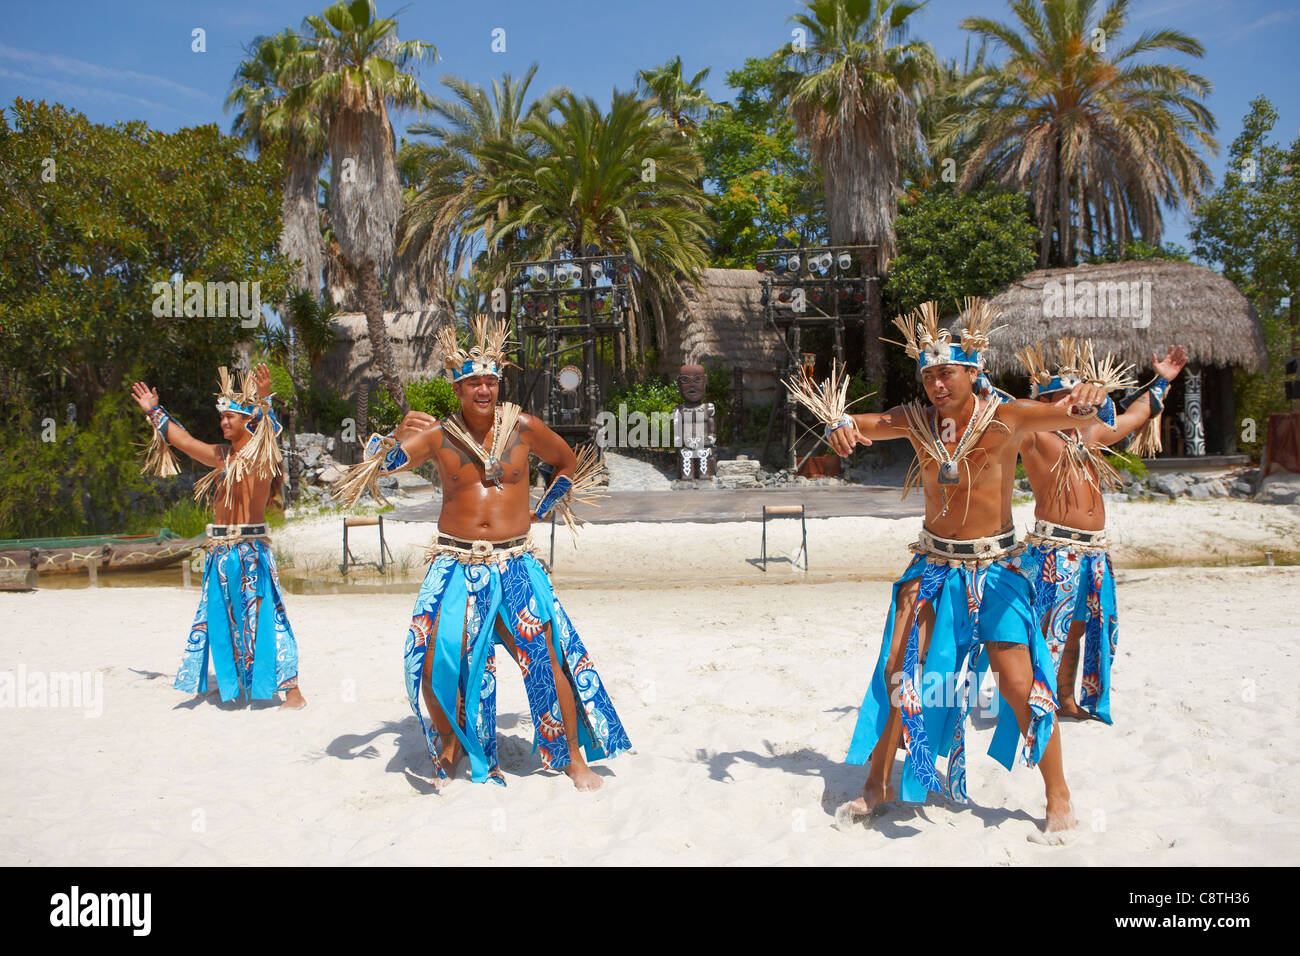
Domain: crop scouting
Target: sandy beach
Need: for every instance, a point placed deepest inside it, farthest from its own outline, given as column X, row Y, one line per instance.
column 739, row 690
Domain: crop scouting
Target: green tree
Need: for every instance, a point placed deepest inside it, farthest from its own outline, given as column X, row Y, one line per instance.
column 767, row 193
column 94, row 217
column 1250, row 228
column 853, row 88
column 619, row 180
column 1100, row 136
column 678, row 100
column 357, row 69
column 444, row 217
column 951, row 245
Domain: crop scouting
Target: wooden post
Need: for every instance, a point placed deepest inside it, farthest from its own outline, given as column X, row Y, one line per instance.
column 92, row 566
column 186, row 571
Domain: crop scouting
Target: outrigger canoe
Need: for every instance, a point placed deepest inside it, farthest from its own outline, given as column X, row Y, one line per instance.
column 71, row 555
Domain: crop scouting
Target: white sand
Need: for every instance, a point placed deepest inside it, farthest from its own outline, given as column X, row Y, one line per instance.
column 739, row 699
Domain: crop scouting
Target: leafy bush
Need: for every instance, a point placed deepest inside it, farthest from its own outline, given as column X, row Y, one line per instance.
column 1131, row 464
column 186, row 518
column 655, row 395
column 86, row 481
column 434, row 396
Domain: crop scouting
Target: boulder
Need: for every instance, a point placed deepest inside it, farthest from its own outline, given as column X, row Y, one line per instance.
column 1242, row 489
column 1170, row 485
column 1201, row 492
column 738, row 468
column 330, row 475
column 1279, row 488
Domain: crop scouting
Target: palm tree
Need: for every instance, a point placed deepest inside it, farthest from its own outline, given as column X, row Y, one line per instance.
column 437, row 232
column 622, row 180
column 1100, row 136
column 853, row 87
column 260, row 90
column 677, row 99
column 924, row 170
column 359, row 69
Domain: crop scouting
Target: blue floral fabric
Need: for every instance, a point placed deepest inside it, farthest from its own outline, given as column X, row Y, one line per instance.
column 1079, row 585
column 455, row 617
column 971, row 606
column 242, row 625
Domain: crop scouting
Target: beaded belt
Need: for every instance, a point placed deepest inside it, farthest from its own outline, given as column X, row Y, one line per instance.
column 980, row 551
column 480, row 550
column 1048, row 532
column 229, row 533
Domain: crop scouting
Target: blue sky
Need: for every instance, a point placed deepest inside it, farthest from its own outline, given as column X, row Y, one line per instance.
column 133, row 60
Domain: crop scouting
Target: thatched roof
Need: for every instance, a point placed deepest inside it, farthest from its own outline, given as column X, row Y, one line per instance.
column 351, row 362
column 722, row 319
column 1168, row 303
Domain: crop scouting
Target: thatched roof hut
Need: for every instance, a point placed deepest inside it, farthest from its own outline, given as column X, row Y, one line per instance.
column 1131, row 309
column 350, row 362
column 722, row 319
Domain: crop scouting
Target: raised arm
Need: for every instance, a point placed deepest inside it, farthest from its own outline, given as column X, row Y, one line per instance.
column 1139, row 409
column 171, row 430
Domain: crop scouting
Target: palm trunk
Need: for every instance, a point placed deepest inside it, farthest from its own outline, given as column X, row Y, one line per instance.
column 381, row 349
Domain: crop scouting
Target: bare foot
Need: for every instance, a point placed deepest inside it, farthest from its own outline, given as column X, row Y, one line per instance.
column 1069, row 708
column 446, row 762
column 293, row 700
column 582, row 776
column 1060, row 812
column 875, row 797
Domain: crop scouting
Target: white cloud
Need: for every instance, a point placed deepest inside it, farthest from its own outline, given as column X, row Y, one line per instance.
column 73, row 90
column 1268, row 19
column 93, row 71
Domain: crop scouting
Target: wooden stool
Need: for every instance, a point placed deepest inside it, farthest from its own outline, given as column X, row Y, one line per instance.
column 348, row 558
column 774, row 510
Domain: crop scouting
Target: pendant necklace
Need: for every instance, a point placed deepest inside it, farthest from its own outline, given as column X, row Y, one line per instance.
column 948, row 471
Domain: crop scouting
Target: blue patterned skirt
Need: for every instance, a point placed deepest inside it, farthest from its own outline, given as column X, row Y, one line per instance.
column 1078, row 584
column 971, row 605
column 241, row 623
column 458, row 607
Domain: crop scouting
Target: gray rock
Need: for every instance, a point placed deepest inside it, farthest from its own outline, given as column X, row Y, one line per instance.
column 330, row 475
column 1217, row 488
column 1115, row 496
column 1243, row 489
column 738, row 468
column 1199, row 492
column 307, row 440
column 1279, row 488
column 1159, row 496
column 1170, row 485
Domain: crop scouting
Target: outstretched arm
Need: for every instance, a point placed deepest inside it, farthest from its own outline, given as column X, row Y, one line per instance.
column 1076, row 408
column 172, row 431
column 866, row 428
column 1136, row 415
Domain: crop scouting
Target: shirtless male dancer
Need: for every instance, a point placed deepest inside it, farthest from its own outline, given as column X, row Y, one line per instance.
column 485, row 586
column 968, row 590
column 1067, row 471
column 241, row 619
